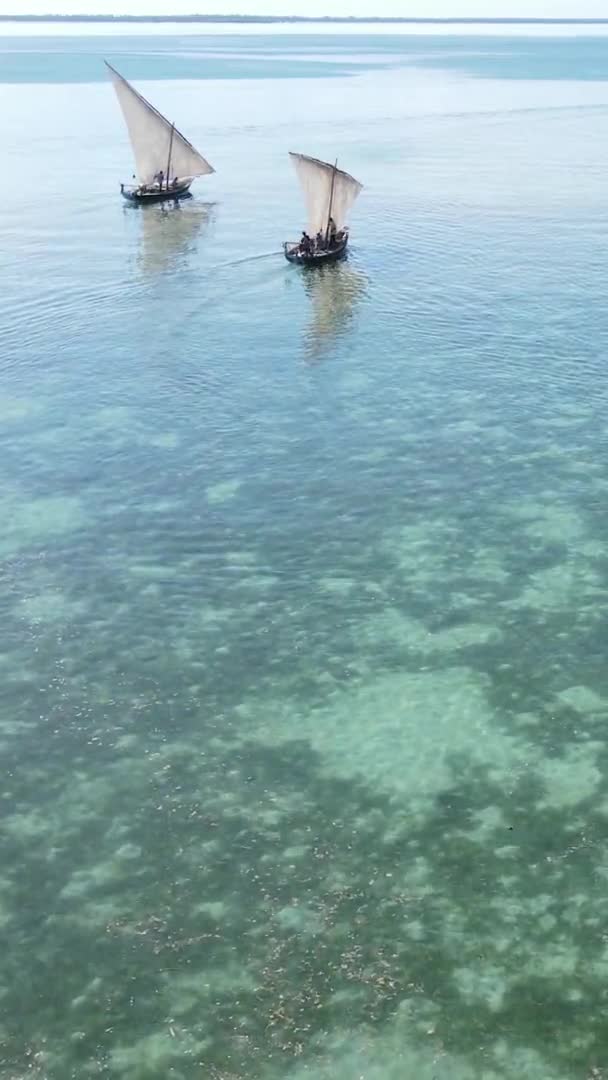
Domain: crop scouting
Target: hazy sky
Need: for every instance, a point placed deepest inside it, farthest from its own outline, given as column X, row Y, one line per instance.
column 416, row 8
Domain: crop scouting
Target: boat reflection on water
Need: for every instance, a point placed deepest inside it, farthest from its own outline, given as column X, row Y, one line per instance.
column 168, row 233
column 334, row 291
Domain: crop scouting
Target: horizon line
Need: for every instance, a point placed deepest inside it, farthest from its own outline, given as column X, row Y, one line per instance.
column 237, row 18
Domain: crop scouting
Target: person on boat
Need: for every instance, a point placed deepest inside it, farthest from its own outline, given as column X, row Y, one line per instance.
column 332, row 231
column 175, row 181
column 159, row 178
column 305, row 244
column 319, row 243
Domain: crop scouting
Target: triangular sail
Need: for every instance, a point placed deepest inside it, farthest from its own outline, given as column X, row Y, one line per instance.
column 326, row 190
column 157, row 144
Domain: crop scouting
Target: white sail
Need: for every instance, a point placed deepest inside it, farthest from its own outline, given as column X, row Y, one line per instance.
column 157, row 144
column 327, row 190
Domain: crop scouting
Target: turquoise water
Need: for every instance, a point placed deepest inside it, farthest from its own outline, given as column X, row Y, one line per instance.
column 304, row 578
column 266, row 55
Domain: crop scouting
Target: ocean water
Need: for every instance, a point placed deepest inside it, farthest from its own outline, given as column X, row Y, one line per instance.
column 304, row 579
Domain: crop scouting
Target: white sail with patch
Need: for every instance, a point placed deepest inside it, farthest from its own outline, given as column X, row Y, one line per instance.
column 157, row 144
column 328, row 192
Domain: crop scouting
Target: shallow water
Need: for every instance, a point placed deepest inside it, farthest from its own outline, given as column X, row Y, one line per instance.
column 304, row 578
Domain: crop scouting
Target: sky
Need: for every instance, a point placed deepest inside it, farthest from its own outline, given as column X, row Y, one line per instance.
column 413, row 8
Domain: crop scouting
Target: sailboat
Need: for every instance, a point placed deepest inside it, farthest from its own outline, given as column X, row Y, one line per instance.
column 329, row 194
column 166, row 162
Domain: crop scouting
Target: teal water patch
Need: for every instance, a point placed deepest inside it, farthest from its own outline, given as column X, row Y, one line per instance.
column 80, row 60
column 57, row 59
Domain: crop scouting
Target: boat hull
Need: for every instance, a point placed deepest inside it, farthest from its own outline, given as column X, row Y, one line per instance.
column 143, row 198
column 316, row 258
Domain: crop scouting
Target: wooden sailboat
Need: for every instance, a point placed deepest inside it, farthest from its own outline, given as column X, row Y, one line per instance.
column 166, row 162
column 329, row 194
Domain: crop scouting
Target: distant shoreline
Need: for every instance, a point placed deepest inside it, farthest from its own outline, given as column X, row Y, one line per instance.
column 256, row 19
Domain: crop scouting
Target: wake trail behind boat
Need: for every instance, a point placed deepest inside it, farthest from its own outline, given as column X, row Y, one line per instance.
column 248, row 258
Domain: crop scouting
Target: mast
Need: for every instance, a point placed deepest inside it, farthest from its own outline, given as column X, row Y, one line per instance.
column 170, row 150
column 331, row 199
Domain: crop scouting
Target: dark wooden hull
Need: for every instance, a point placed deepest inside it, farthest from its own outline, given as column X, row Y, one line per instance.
column 317, row 258
column 143, row 198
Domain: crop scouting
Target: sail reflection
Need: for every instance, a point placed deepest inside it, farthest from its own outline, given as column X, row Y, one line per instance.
column 334, row 291
column 169, row 232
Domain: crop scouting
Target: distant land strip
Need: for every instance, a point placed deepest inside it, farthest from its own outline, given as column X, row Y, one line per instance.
column 294, row 19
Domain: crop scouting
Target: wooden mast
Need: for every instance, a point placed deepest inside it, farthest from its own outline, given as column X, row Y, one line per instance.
column 170, row 152
column 331, row 200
